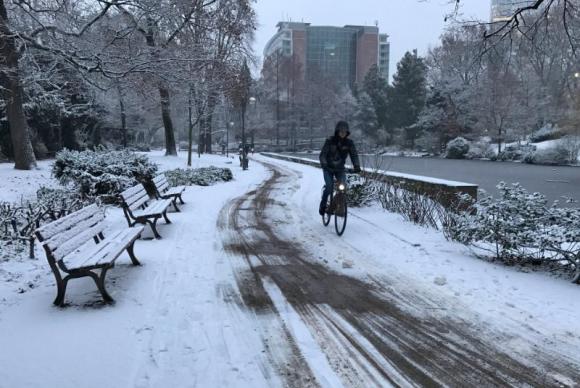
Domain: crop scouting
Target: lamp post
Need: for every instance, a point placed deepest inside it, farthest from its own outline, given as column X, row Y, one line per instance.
column 231, row 124
column 253, row 105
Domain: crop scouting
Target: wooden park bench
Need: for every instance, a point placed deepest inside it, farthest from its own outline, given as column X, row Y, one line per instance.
column 77, row 245
column 140, row 209
column 163, row 190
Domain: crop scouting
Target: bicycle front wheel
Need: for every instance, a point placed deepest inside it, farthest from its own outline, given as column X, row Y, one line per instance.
column 340, row 214
column 327, row 214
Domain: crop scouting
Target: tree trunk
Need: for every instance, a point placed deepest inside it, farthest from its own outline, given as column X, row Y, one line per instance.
column 170, row 148
column 190, row 130
column 208, row 123
column 123, row 116
column 12, row 94
column 200, row 141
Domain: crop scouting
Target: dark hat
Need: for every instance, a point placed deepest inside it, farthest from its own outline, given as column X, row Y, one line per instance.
column 340, row 125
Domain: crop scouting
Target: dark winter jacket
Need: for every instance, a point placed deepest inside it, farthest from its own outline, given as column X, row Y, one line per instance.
column 336, row 150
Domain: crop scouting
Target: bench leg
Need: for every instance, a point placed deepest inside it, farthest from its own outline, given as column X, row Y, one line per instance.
column 131, row 253
column 61, row 287
column 165, row 216
column 175, row 205
column 100, row 282
column 180, row 199
column 153, row 226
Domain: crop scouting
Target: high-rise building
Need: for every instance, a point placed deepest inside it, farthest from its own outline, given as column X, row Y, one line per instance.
column 502, row 10
column 344, row 54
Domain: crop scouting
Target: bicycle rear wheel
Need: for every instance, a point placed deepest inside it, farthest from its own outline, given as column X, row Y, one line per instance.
column 340, row 213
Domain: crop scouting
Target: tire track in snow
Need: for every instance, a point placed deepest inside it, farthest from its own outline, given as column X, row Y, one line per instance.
column 393, row 344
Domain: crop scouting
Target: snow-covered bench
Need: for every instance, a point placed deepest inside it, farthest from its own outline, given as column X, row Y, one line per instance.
column 140, row 209
column 165, row 192
column 77, row 244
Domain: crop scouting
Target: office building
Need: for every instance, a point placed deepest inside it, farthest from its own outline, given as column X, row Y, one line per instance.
column 344, row 54
column 503, row 10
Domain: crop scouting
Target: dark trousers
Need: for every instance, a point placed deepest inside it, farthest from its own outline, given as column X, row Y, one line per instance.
column 329, row 183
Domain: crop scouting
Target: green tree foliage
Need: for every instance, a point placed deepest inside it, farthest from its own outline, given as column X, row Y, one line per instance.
column 376, row 87
column 365, row 117
column 408, row 94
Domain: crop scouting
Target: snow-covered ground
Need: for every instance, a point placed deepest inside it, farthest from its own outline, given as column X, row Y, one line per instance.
column 188, row 316
column 16, row 186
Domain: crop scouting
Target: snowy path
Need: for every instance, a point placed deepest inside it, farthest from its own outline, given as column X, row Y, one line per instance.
column 371, row 334
column 248, row 289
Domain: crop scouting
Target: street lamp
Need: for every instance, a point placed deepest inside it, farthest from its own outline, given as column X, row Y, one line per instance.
column 231, row 124
column 253, row 104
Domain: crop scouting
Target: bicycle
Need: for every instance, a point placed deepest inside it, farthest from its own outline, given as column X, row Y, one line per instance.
column 336, row 205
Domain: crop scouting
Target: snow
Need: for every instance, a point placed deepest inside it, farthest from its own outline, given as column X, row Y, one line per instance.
column 176, row 321
column 22, row 185
column 544, row 145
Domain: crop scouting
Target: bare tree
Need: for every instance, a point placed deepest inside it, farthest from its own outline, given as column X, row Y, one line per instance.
column 11, row 89
column 159, row 37
column 527, row 19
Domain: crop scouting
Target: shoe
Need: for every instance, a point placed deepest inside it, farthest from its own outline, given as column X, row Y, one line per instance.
column 321, row 209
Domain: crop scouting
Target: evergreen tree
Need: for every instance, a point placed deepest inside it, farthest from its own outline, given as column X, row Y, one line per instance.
column 408, row 94
column 365, row 117
column 376, row 87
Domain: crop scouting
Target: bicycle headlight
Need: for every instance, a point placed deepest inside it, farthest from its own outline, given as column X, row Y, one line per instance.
column 341, row 187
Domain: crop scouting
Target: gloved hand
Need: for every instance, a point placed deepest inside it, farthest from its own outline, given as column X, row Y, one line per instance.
column 357, row 169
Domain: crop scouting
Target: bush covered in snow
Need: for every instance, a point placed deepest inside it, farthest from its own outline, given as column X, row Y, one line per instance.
column 414, row 206
column 481, row 149
column 520, row 228
column 101, row 172
column 510, row 155
column 204, row 176
column 457, row 148
column 557, row 155
column 19, row 220
column 546, row 133
column 361, row 191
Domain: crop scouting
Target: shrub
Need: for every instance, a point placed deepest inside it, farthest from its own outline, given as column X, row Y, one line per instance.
column 457, row 148
column 557, row 155
column 546, row 133
column 18, row 221
column 361, row 191
column 141, row 147
column 414, row 206
column 510, row 155
column 102, row 173
column 480, row 150
column 204, row 176
column 520, row 228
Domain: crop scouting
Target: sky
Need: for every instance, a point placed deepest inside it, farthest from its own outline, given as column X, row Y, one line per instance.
column 409, row 23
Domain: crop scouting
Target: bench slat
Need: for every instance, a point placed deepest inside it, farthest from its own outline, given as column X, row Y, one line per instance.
column 60, row 251
column 160, row 179
column 68, row 235
column 162, row 187
column 138, row 201
column 161, row 183
column 105, row 252
column 154, row 208
column 175, row 190
column 131, row 191
column 133, row 197
column 68, row 222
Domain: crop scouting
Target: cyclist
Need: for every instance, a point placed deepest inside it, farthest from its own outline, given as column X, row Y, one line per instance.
column 332, row 158
column 243, row 152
